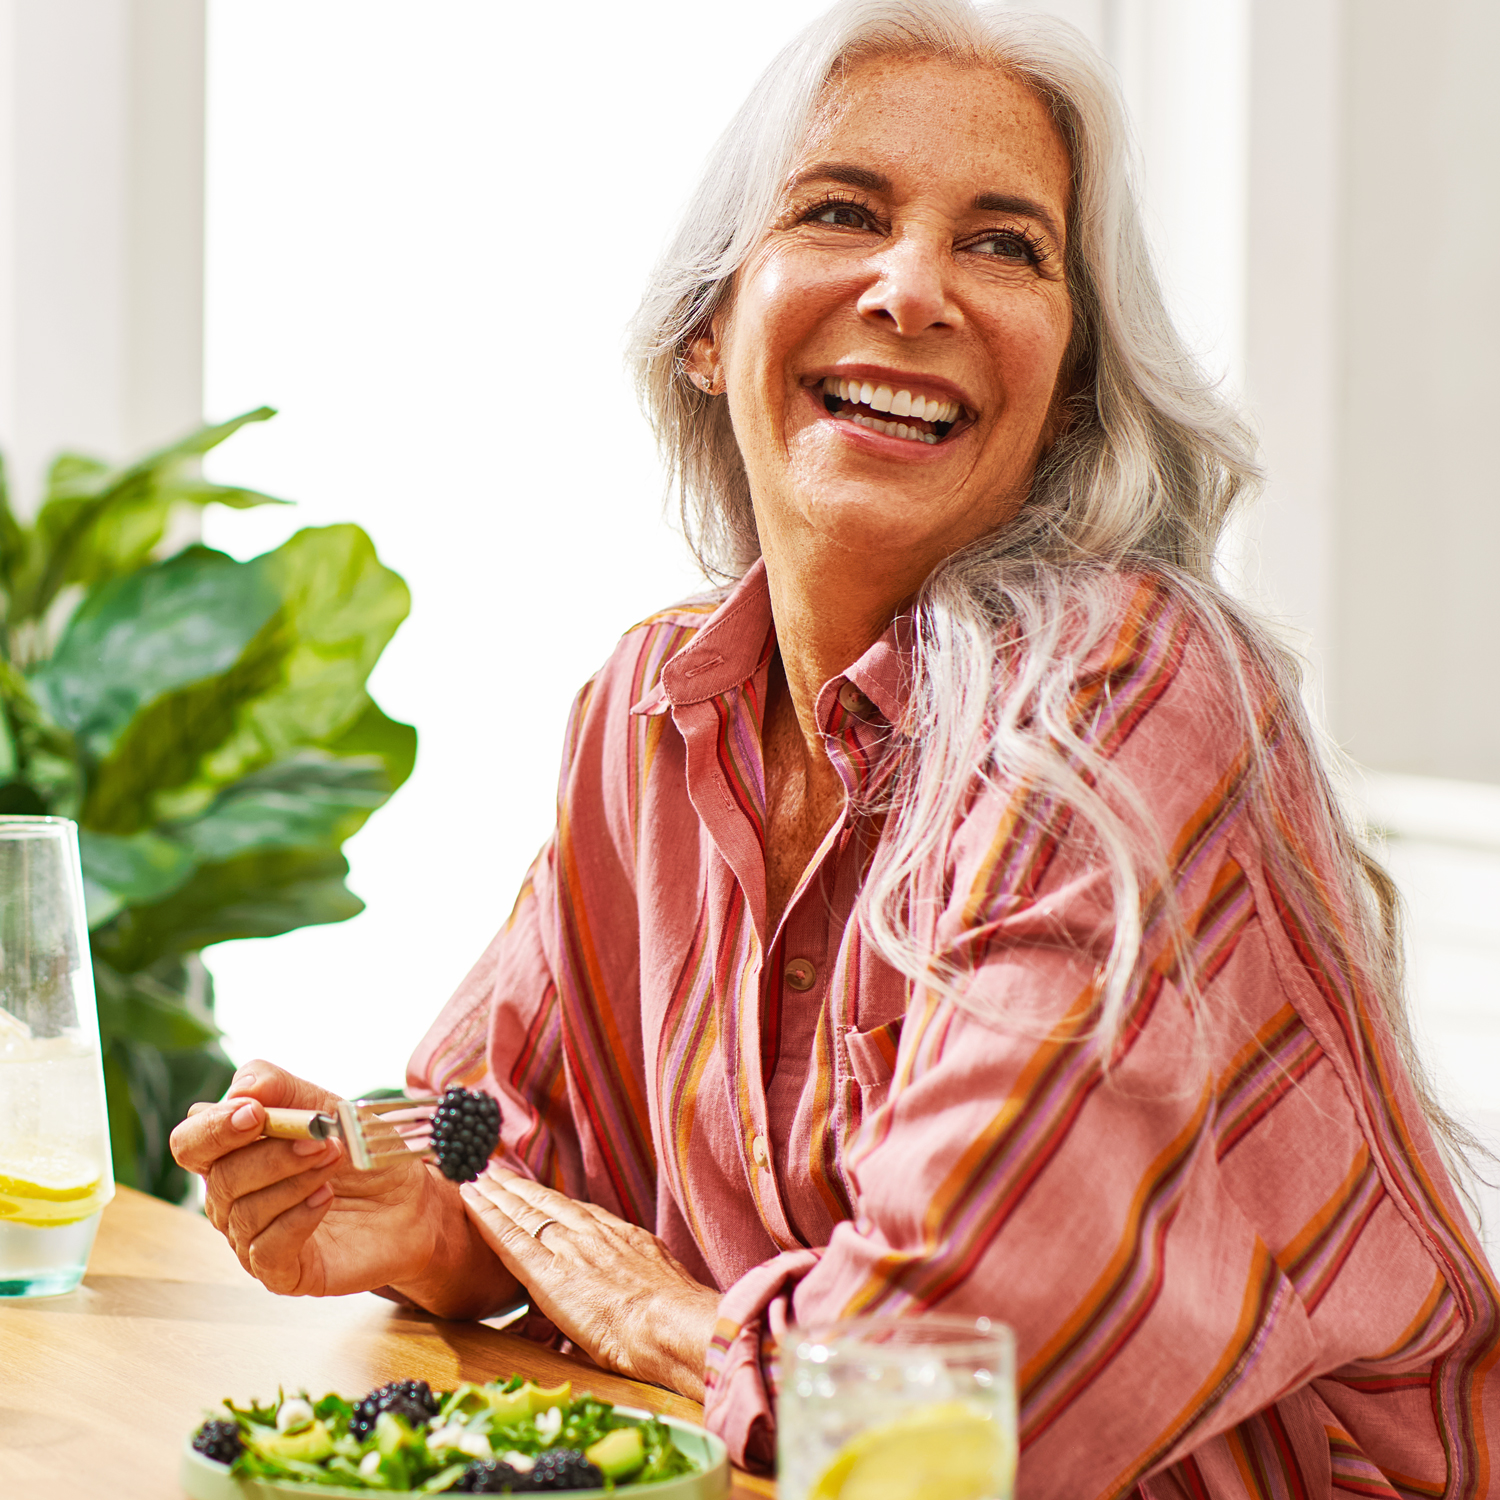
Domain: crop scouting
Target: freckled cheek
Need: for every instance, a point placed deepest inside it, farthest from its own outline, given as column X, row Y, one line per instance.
column 1028, row 348
column 786, row 300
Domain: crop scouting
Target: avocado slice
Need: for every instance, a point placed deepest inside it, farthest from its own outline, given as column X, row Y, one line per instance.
column 516, row 1406
column 618, row 1453
column 312, row 1444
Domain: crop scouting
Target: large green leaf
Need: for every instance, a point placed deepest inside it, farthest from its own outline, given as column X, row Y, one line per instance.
column 148, row 634
column 183, row 678
column 260, row 894
column 14, row 543
column 161, row 1052
column 97, row 523
column 162, row 749
column 340, row 607
column 372, row 733
column 311, row 800
column 9, row 761
column 121, row 871
column 162, row 1007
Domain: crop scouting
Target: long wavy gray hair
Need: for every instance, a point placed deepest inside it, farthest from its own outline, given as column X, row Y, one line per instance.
column 1151, row 463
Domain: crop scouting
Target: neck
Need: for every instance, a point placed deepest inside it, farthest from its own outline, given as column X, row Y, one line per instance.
column 830, row 606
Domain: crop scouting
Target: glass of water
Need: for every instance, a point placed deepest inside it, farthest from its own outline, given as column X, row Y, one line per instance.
column 916, row 1408
column 55, row 1169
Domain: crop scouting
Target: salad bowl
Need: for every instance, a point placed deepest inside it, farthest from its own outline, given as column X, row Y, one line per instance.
column 203, row 1479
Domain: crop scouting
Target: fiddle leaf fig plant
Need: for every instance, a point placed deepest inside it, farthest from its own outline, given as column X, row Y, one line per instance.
column 207, row 723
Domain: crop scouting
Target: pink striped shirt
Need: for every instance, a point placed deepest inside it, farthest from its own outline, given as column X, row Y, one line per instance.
column 1235, row 1269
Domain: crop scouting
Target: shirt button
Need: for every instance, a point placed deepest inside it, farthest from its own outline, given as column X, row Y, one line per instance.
column 800, row 974
column 854, row 700
column 759, row 1152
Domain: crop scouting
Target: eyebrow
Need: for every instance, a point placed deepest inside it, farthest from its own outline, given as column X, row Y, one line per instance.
column 878, row 182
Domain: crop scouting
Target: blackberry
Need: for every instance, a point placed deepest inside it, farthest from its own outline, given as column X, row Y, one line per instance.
column 465, row 1132
column 490, row 1477
column 564, row 1469
column 219, row 1441
column 412, row 1399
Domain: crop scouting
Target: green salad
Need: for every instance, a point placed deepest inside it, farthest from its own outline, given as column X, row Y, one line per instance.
column 501, row 1438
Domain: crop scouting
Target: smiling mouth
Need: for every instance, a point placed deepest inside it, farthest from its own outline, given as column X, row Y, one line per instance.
column 895, row 413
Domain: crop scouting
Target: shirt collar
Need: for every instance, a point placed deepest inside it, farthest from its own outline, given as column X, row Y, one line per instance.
column 732, row 646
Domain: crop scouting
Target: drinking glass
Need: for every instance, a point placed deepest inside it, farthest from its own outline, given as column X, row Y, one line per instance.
column 916, row 1408
column 55, row 1169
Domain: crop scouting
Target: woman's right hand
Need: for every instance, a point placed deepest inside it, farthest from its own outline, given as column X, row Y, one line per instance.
column 306, row 1224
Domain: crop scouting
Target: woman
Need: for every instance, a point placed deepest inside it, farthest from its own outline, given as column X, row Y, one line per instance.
column 954, row 913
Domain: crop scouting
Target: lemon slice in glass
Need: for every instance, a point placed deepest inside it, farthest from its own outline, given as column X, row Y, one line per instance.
column 42, row 1183
column 947, row 1451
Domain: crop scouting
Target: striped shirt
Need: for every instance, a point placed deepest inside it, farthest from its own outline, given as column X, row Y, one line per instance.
column 1232, row 1258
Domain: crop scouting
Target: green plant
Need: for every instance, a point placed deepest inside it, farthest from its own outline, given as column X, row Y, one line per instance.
column 206, row 722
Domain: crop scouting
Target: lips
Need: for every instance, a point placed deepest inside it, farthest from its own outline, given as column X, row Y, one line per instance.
column 894, row 411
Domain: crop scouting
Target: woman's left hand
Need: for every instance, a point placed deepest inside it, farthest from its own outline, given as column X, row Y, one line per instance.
column 611, row 1287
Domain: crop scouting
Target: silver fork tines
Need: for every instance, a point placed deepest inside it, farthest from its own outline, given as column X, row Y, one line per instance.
column 377, row 1128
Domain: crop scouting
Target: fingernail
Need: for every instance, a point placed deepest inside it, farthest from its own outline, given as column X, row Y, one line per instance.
column 309, row 1148
column 319, row 1196
column 244, row 1117
column 241, row 1083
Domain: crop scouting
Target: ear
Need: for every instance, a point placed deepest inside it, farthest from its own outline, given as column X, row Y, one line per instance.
column 702, row 362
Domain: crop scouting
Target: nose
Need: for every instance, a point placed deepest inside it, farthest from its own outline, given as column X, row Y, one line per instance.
column 911, row 287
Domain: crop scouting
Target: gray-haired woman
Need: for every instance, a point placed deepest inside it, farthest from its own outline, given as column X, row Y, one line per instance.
column 953, row 913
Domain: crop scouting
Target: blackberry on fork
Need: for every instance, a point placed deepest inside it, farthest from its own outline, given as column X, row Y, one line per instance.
column 465, row 1132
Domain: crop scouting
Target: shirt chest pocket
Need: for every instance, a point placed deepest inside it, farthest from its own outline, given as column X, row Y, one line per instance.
column 872, row 1060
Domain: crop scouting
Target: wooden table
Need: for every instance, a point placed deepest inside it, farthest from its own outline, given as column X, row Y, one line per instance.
column 99, row 1388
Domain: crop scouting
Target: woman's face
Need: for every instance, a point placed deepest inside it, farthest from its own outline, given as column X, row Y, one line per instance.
column 891, row 356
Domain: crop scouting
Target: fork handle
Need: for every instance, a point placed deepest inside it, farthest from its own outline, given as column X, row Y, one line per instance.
column 297, row 1125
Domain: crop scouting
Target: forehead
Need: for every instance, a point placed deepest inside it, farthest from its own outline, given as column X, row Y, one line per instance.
column 979, row 129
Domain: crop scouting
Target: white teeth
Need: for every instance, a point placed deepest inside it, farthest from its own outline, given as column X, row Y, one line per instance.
column 898, row 403
column 894, row 429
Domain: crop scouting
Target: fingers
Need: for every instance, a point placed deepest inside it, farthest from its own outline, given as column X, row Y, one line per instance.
column 275, row 1258
column 494, row 1211
column 543, row 1202
column 278, row 1089
column 270, row 1229
column 212, row 1131
column 244, row 1217
column 264, row 1164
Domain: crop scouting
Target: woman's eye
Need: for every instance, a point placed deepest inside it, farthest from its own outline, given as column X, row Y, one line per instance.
column 845, row 215
column 1006, row 246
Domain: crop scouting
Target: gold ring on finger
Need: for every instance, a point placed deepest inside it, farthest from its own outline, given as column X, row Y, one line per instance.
column 536, row 1233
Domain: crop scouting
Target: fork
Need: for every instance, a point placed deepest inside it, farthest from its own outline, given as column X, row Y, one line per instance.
column 372, row 1129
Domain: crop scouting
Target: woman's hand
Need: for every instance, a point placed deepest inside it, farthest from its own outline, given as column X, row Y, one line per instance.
column 306, row 1224
column 612, row 1287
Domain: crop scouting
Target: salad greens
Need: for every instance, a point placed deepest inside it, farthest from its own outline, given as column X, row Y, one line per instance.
column 515, row 1422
